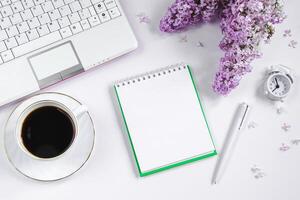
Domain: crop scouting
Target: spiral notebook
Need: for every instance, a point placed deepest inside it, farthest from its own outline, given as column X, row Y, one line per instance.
column 164, row 118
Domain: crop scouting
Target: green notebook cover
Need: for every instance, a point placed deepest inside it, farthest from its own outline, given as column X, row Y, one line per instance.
column 134, row 86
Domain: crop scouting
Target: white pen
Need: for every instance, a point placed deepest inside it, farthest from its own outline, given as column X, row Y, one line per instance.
column 236, row 128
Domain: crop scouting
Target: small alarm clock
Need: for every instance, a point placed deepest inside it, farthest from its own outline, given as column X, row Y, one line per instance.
column 278, row 83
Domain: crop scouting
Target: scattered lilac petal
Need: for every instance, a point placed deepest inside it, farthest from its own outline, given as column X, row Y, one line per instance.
column 259, row 175
column 284, row 147
column 199, row 44
column 143, row 18
column 293, row 44
column 255, row 169
column 286, row 127
column 252, row 125
column 295, row 142
column 257, row 172
column 183, row 38
column 280, row 110
column 287, row 33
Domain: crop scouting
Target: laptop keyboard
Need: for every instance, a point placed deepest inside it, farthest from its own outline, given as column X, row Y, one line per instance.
column 27, row 25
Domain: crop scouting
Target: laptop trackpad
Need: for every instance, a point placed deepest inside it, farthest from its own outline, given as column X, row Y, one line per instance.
column 55, row 64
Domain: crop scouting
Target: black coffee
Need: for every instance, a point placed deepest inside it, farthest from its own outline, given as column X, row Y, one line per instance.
column 47, row 132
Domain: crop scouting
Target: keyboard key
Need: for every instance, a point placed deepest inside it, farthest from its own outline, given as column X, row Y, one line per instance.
column 47, row 6
column 64, row 10
column 44, row 18
column 95, row 1
column 6, row 11
column 110, row 4
column 5, row 22
column 84, row 13
column 58, row 3
column 54, row 14
column 63, row 22
column 76, row 28
column 99, row 7
column 43, row 30
column 33, row 23
column 36, row 44
column 37, row 2
column 2, row 46
column 32, row 34
column 94, row 20
column 16, row 18
column 17, row 7
column 26, row 14
column 22, row 27
column 65, row 32
column 12, row 31
column 37, row 10
column 22, row 38
column 85, row 24
column 85, row 3
column 68, row 1
column 3, row 35
column 7, row 55
column 11, row 42
column 27, row 3
column 74, row 17
column 104, row 16
column 92, row 10
column 5, row 2
column 53, row 26
column 75, row 6
column 114, row 12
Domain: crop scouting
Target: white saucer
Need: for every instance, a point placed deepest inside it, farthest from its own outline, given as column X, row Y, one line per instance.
column 58, row 167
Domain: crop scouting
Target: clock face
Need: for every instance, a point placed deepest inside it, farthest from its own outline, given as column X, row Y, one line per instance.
column 279, row 85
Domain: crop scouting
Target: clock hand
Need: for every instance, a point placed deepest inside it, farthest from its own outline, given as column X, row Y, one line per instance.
column 277, row 85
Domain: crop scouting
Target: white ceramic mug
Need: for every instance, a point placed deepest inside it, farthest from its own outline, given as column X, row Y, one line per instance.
column 69, row 161
column 74, row 116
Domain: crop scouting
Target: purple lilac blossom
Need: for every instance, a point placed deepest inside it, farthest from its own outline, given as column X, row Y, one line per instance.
column 183, row 13
column 244, row 24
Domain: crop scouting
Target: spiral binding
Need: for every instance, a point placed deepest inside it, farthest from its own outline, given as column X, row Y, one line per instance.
column 150, row 75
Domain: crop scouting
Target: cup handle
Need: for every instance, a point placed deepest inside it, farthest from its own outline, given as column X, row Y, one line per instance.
column 79, row 111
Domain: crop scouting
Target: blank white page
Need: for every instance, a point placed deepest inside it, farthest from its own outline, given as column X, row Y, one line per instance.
column 164, row 118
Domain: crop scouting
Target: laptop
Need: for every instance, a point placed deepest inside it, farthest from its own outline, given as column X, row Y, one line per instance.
column 43, row 42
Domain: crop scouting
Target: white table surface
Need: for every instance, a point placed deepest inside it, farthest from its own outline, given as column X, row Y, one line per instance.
column 110, row 173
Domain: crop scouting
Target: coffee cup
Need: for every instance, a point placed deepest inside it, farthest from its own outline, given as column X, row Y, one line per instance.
column 49, row 136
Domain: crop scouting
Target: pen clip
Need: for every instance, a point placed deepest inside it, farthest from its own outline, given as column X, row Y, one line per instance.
column 244, row 116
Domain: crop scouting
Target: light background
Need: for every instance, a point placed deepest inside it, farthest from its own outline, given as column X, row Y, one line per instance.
column 110, row 173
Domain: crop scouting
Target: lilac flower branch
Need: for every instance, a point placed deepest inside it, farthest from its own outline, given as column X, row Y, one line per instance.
column 244, row 24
